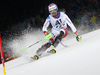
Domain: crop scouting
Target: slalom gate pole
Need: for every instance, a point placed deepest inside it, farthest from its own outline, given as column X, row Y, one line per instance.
column 46, row 37
column 2, row 57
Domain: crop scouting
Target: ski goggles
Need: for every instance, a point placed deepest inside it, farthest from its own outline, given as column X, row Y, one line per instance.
column 53, row 11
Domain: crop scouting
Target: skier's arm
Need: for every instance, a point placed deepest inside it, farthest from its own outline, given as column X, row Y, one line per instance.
column 45, row 26
column 78, row 38
column 70, row 24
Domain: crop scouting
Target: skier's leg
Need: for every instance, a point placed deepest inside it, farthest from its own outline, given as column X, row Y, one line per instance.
column 43, row 48
column 63, row 34
column 52, row 42
column 55, row 43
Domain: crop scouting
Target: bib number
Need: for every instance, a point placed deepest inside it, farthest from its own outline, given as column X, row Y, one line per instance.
column 58, row 24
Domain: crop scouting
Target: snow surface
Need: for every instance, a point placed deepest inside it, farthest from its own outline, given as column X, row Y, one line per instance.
column 79, row 58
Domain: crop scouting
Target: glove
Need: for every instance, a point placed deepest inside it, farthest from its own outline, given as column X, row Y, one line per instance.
column 78, row 38
column 48, row 36
column 46, row 33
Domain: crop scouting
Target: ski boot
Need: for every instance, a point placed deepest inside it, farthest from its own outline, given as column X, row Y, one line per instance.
column 35, row 57
column 52, row 50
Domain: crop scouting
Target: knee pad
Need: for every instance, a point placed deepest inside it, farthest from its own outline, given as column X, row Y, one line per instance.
column 61, row 34
column 45, row 46
column 66, row 32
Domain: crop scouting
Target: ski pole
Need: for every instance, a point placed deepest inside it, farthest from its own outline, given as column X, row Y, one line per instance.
column 71, row 33
column 62, row 43
column 46, row 37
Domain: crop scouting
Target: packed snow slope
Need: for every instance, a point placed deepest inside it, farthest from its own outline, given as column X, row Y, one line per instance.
column 79, row 58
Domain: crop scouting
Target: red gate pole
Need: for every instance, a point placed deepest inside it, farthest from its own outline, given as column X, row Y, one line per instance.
column 2, row 57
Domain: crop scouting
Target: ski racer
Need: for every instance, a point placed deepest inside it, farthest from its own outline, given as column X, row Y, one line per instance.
column 59, row 22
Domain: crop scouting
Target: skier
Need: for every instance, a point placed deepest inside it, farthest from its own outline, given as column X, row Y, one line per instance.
column 59, row 22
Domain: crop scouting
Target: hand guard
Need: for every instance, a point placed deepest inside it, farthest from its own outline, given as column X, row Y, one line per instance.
column 48, row 36
column 78, row 38
column 46, row 33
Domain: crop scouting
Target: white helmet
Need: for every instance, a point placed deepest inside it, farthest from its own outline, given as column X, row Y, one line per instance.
column 52, row 7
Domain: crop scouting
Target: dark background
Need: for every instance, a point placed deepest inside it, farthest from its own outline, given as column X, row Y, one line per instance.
column 15, row 11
